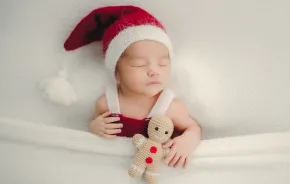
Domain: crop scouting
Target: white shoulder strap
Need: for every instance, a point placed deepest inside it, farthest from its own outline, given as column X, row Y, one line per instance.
column 162, row 103
column 112, row 98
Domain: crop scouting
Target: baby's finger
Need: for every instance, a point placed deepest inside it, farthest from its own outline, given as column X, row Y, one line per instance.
column 113, row 125
column 185, row 162
column 111, row 119
column 112, row 131
column 106, row 114
column 180, row 161
column 168, row 144
column 174, row 160
column 170, row 156
column 109, row 136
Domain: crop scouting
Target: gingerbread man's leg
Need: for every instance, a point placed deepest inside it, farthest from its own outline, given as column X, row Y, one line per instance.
column 152, row 173
column 137, row 167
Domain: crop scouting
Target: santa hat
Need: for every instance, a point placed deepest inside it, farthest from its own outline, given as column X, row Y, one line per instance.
column 117, row 27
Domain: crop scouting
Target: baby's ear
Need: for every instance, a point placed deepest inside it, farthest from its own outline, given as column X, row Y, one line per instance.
column 117, row 78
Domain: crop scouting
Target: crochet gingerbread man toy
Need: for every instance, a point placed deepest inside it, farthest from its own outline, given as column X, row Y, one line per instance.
column 150, row 152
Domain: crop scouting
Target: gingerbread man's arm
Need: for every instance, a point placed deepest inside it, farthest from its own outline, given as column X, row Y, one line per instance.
column 166, row 152
column 139, row 140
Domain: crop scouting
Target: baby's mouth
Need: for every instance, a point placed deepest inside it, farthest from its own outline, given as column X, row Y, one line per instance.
column 154, row 83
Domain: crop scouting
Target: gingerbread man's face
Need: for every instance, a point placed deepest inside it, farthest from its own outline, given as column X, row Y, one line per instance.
column 160, row 129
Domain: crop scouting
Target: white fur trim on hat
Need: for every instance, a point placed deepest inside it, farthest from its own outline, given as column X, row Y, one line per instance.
column 131, row 35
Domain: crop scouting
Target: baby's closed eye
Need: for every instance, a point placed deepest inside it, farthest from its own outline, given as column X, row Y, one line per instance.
column 138, row 62
column 164, row 61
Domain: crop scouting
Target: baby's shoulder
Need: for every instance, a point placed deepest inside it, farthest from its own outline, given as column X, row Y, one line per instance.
column 101, row 104
column 176, row 107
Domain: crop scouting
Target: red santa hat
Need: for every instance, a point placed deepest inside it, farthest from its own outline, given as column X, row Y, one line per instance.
column 117, row 27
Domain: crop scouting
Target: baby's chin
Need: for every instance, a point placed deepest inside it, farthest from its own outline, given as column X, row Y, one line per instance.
column 153, row 92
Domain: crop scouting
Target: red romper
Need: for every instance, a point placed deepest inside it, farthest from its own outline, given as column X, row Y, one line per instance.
column 134, row 126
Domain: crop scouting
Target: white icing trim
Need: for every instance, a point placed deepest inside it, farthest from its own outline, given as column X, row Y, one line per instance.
column 167, row 151
column 130, row 35
column 140, row 142
column 152, row 173
column 138, row 169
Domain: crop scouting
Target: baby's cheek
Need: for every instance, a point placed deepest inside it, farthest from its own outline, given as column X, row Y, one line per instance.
column 135, row 79
column 139, row 83
column 137, row 76
column 166, row 74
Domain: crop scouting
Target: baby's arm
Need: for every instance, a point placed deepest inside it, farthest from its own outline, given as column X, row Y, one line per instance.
column 102, row 123
column 100, row 106
column 139, row 140
column 185, row 144
column 183, row 121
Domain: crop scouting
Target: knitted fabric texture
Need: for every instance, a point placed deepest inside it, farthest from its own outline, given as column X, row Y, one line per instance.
column 150, row 152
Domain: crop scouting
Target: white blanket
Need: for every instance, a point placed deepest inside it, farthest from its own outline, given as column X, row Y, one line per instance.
column 40, row 154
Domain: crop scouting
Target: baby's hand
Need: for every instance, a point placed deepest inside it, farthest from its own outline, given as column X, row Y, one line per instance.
column 104, row 126
column 181, row 150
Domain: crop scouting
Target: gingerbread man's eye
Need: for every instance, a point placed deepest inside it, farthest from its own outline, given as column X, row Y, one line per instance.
column 166, row 132
column 156, row 128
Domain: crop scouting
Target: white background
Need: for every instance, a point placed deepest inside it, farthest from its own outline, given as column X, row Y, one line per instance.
column 236, row 54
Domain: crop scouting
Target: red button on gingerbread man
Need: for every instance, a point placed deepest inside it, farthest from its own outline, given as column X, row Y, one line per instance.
column 153, row 150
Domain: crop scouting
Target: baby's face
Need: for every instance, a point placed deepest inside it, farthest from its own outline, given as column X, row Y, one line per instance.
column 144, row 68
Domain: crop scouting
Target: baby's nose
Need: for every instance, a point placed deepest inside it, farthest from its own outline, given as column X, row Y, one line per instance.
column 152, row 73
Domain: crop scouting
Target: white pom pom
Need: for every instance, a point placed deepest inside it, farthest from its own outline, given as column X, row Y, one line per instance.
column 58, row 89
